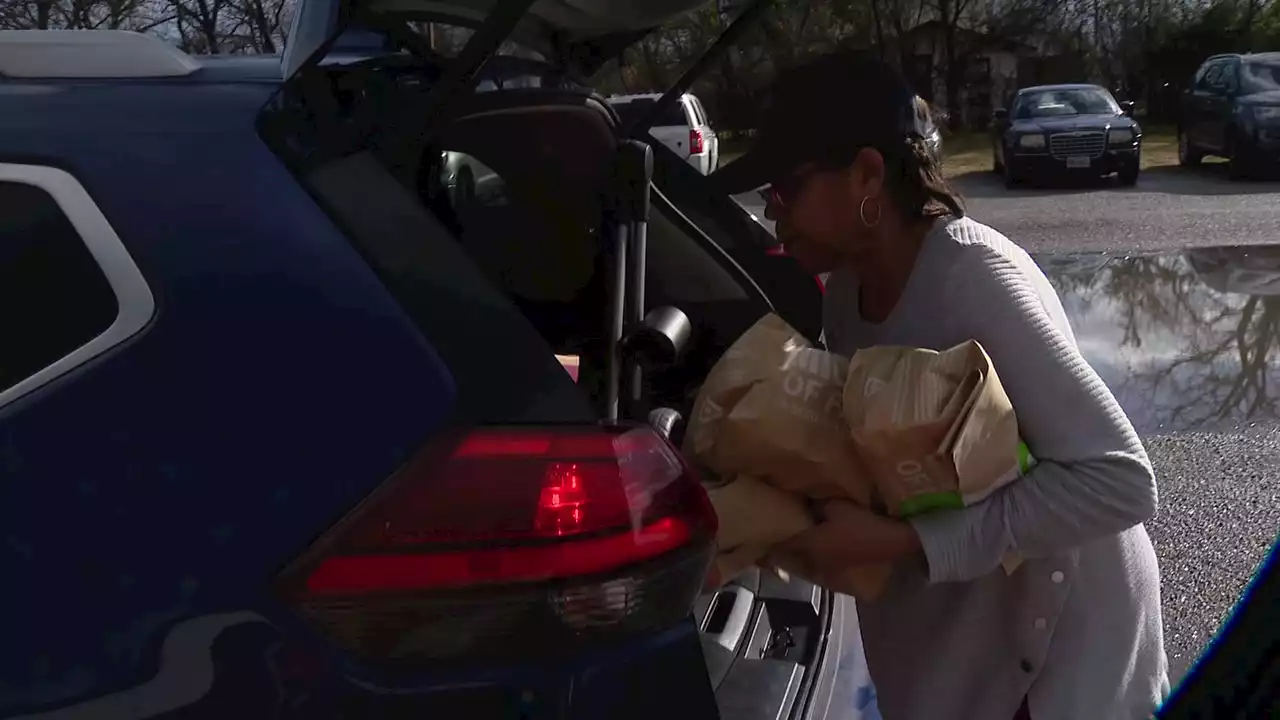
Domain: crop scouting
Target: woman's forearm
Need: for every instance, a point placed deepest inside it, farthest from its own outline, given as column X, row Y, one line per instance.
column 1093, row 477
column 1056, row 508
column 851, row 536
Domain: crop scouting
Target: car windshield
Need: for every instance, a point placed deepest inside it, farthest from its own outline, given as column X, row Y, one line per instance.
column 1259, row 76
column 1068, row 101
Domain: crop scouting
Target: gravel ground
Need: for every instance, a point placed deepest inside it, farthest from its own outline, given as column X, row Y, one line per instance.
column 1219, row 515
column 1175, row 208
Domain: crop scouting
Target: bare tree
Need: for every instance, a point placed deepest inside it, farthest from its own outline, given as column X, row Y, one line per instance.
column 78, row 15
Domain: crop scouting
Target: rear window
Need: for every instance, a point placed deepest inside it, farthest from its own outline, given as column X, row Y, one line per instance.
column 632, row 111
column 699, row 115
column 54, row 297
column 435, row 228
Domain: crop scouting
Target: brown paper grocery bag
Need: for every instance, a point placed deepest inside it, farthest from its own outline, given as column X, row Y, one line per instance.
column 754, row 516
column 771, row 407
column 752, row 358
column 935, row 430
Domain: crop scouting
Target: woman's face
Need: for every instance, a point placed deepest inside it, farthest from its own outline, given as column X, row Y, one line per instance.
column 816, row 211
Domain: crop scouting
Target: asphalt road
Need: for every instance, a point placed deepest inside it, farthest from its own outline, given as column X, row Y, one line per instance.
column 1219, row 479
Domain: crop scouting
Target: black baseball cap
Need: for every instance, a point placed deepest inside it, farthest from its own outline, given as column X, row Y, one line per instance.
column 825, row 110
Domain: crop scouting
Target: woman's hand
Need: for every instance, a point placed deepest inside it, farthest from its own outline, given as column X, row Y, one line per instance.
column 851, row 535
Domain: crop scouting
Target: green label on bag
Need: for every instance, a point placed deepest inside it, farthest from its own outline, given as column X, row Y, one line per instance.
column 1025, row 461
column 929, row 502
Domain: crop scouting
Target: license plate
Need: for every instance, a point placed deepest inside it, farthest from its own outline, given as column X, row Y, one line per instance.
column 1078, row 161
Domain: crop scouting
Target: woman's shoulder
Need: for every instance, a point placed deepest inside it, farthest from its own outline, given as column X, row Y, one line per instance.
column 974, row 249
column 968, row 237
column 987, row 268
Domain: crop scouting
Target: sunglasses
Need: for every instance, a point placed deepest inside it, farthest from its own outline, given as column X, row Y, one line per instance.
column 783, row 192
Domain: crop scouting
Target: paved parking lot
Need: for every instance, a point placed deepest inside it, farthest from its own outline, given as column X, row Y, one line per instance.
column 1169, row 208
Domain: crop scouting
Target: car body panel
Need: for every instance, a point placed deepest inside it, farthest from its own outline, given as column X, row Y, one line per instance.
column 224, row 315
column 248, row 416
column 281, row 384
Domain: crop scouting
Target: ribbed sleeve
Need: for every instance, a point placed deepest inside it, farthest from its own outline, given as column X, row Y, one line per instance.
column 1093, row 478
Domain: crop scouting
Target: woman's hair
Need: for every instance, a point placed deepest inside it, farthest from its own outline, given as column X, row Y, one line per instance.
column 917, row 185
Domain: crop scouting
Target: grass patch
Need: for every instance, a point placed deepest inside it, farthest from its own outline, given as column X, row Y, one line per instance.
column 1159, row 147
column 965, row 153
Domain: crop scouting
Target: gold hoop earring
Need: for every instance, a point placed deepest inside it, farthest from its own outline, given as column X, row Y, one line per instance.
column 862, row 212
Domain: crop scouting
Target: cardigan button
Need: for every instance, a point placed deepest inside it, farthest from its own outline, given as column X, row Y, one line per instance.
column 1026, row 666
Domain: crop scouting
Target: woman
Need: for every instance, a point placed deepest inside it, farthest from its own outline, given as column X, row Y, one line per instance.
column 1073, row 634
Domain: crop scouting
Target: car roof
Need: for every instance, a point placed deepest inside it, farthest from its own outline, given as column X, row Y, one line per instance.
column 120, row 56
column 1269, row 56
column 1061, row 86
column 640, row 96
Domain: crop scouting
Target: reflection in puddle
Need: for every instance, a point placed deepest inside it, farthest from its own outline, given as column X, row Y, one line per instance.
column 1184, row 341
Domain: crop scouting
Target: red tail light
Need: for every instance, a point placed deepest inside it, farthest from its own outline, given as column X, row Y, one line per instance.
column 695, row 141
column 512, row 543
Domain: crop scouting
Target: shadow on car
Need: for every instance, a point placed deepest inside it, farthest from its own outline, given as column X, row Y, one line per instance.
column 1208, row 179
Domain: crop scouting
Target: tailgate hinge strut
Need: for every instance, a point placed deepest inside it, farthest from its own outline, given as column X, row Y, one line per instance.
column 460, row 75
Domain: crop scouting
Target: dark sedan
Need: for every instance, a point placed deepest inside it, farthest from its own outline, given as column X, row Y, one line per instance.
column 1056, row 130
column 1232, row 109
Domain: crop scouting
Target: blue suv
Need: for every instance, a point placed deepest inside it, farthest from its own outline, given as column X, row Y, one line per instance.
column 285, row 426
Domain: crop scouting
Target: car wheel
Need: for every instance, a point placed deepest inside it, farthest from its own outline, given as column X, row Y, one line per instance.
column 1129, row 175
column 1238, row 160
column 1011, row 178
column 1188, row 154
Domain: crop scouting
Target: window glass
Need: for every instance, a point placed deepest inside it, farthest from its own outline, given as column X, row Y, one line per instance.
column 632, row 110
column 1228, row 80
column 699, row 114
column 1211, row 77
column 54, row 297
column 1261, row 76
column 1066, row 101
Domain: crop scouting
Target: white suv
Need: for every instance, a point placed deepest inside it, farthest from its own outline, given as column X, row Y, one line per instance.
column 684, row 128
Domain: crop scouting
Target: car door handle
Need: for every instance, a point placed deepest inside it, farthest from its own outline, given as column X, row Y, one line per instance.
column 727, row 620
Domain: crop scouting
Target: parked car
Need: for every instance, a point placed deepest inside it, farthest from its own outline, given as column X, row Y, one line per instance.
column 1057, row 130
column 1232, row 110
column 683, row 127
column 288, row 426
